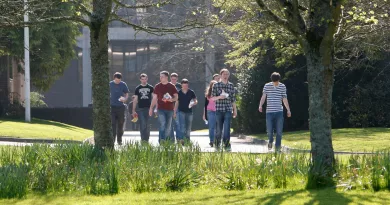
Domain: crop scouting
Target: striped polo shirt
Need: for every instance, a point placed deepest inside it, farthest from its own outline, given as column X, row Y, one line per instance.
column 275, row 95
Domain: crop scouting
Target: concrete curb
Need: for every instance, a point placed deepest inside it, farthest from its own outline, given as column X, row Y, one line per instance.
column 29, row 140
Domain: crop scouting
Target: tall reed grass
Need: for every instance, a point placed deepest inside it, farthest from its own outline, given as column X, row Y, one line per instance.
column 144, row 168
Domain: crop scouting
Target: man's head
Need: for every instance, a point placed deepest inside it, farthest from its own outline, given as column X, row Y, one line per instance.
column 275, row 77
column 143, row 78
column 224, row 73
column 117, row 77
column 216, row 77
column 174, row 78
column 164, row 76
column 184, row 84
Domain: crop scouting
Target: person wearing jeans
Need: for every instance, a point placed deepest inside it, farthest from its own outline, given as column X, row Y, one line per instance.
column 143, row 97
column 224, row 94
column 165, row 120
column 119, row 92
column 164, row 96
column 187, row 99
column 175, row 121
column 275, row 92
column 209, row 112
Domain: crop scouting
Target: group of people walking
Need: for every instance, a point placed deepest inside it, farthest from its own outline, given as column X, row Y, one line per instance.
column 172, row 103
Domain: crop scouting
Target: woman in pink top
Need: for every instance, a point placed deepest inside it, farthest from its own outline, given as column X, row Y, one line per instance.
column 209, row 112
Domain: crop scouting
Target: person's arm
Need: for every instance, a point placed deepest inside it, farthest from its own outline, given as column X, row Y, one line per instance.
column 126, row 92
column 175, row 97
column 175, row 109
column 234, row 110
column 285, row 102
column 206, row 103
column 214, row 94
column 194, row 98
column 135, row 101
column 154, row 103
column 262, row 100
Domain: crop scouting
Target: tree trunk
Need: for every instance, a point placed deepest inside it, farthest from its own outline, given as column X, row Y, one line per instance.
column 100, row 74
column 320, row 79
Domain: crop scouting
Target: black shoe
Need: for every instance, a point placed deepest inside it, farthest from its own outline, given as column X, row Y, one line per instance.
column 228, row 147
column 120, row 143
column 269, row 146
column 211, row 144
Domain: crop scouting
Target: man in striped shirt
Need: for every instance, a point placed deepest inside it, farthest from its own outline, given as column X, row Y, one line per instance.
column 275, row 93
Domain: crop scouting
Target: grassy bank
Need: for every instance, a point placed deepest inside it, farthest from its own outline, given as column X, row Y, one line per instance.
column 42, row 129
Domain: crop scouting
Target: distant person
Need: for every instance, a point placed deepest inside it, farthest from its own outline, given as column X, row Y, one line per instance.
column 175, row 122
column 224, row 94
column 164, row 94
column 275, row 92
column 209, row 112
column 187, row 99
column 216, row 77
column 143, row 97
column 119, row 92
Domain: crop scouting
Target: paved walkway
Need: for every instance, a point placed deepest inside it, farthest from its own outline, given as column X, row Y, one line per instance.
column 200, row 138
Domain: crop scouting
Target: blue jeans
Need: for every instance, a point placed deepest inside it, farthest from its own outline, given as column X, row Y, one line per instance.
column 223, row 125
column 144, row 128
column 175, row 127
column 165, row 119
column 211, row 116
column 275, row 123
column 185, row 125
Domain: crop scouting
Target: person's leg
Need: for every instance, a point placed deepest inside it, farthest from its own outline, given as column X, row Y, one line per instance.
column 189, row 118
column 177, row 123
column 172, row 132
column 279, row 119
column 212, row 124
column 181, row 117
column 168, row 125
column 270, row 129
column 147, row 129
column 226, row 129
column 142, row 123
column 121, row 121
column 163, row 121
column 113, row 122
column 219, row 119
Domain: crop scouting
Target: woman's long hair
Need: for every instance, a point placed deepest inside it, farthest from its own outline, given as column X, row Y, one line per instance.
column 210, row 89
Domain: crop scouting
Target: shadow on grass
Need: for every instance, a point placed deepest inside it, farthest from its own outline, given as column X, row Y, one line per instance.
column 321, row 197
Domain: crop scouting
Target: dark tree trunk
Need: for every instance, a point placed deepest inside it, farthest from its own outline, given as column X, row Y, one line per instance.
column 100, row 74
column 320, row 79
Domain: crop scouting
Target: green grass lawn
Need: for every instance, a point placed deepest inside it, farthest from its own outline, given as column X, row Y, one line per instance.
column 215, row 196
column 42, row 129
column 351, row 139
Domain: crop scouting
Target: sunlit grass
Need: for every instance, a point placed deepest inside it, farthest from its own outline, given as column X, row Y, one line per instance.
column 215, row 196
column 42, row 129
column 351, row 139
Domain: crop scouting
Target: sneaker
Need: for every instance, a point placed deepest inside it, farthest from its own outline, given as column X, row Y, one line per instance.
column 211, row 144
column 269, row 146
column 228, row 147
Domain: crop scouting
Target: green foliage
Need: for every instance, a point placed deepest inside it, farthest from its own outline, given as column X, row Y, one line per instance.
column 51, row 48
column 37, row 100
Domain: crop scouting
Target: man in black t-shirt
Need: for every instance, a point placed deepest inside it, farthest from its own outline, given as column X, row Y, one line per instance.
column 143, row 97
column 183, row 108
